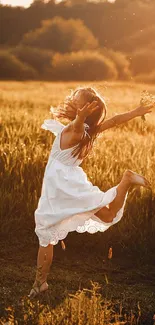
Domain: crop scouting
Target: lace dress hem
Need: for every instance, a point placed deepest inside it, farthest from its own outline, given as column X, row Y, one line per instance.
column 86, row 221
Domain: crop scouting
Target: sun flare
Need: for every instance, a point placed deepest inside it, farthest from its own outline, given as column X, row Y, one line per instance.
column 14, row 3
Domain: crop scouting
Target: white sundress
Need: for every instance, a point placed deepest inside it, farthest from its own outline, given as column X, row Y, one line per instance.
column 68, row 201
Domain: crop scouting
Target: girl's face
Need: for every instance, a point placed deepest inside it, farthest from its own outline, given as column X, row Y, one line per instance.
column 80, row 101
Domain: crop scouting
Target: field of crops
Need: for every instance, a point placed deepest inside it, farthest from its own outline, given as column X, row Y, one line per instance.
column 24, row 150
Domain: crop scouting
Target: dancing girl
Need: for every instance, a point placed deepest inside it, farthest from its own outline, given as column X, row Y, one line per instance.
column 68, row 201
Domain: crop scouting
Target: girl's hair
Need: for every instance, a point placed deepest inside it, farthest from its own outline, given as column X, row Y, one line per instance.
column 68, row 110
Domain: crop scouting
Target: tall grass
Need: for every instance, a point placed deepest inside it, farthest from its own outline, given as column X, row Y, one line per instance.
column 86, row 306
column 25, row 147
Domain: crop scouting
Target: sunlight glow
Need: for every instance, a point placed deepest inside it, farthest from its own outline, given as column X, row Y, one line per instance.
column 27, row 3
column 21, row 3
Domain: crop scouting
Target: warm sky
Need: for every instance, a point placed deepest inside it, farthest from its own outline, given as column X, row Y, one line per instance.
column 24, row 3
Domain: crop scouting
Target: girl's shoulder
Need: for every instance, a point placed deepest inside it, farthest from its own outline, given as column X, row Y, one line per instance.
column 53, row 126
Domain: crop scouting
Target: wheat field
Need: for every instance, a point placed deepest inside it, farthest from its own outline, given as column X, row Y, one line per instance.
column 24, row 150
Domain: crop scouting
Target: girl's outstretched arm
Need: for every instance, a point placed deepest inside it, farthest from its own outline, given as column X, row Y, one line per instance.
column 124, row 117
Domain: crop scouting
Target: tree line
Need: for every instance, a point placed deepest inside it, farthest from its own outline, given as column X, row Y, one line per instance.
column 78, row 40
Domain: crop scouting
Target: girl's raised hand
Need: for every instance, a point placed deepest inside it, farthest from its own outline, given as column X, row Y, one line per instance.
column 87, row 110
column 147, row 104
column 142, row 110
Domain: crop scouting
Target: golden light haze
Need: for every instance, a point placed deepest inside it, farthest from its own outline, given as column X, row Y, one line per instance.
column 27, row 3
column 14, row 3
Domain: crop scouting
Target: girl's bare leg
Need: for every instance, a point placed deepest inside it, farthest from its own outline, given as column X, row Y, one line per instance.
column 44, row 261
column 129, row 178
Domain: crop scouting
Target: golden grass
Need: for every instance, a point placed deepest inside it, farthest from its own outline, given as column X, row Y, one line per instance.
column 24, row 149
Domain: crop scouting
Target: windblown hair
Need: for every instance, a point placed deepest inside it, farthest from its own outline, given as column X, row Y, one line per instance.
column 68, row 111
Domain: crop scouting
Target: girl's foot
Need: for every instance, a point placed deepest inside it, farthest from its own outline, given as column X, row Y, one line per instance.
column 136, row 179
column 37, row 289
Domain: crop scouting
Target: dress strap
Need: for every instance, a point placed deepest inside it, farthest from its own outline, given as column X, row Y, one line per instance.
column 53, row 126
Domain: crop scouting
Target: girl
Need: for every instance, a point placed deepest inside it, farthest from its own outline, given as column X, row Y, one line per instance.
column 69, row 202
